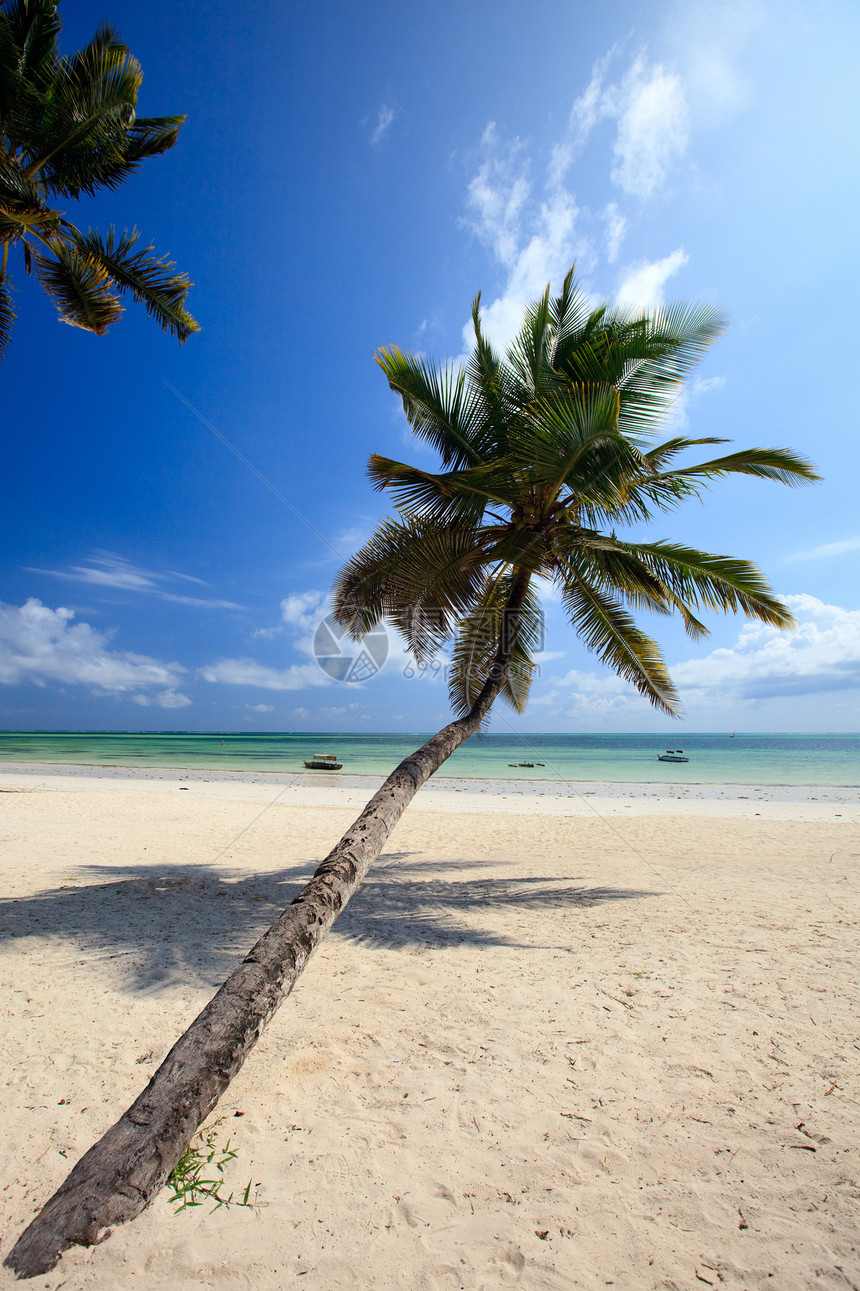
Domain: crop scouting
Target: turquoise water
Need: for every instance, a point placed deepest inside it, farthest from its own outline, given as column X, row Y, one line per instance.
column 714, row 759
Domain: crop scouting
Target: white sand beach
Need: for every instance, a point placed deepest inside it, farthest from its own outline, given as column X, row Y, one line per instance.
column 564, row 1037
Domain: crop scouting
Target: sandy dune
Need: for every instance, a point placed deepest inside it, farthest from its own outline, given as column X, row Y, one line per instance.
column 553, row 1043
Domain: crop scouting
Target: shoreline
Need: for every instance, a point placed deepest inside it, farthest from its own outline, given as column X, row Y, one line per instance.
column 442, row 793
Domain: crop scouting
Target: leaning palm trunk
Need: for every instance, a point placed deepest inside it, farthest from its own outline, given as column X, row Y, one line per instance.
column 119, row 1176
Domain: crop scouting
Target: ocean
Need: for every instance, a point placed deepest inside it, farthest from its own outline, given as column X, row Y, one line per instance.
column 713, row 758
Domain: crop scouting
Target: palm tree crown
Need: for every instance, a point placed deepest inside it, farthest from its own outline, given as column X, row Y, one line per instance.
column 544, row 453
column 68, row 127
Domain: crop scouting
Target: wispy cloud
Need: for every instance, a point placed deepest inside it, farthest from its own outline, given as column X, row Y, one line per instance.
column 642, row 286
column 616, row 227
column 828, row 549
column 384, row 121
column 108, row 570
column 530, row 220
column 40, row 645
column 300, row 614
column 533, row 241
column 591, row 696
column 653, row 128
column 248, row 672
column 165, row 699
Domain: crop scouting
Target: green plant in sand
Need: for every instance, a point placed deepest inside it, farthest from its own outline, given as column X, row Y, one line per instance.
column 187, row 1182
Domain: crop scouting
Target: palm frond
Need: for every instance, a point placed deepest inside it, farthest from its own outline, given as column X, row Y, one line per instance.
column 663, row 453
column 529, row 355
column 492, row 405
column 7, row 315
column 149, row 279
column 150, row 137
column 570, row 313
column 436, row 404
column 607, row 629
column 721, row 583
column 419, row 575
column 80, row 288
column 618, row 568
column 459, row 496
column 562, row 430
column 781, row 464
column 476, row 646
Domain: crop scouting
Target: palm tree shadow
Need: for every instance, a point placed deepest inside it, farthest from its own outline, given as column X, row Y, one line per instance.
column 193, row 924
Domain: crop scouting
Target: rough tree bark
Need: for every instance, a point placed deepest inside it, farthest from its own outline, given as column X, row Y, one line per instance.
column 119, row 1176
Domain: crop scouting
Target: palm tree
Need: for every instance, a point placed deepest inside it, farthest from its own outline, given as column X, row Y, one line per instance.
column 68, row 127
column 544, row 453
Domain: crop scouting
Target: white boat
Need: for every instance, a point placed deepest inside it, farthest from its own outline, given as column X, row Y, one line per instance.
column 672, row 755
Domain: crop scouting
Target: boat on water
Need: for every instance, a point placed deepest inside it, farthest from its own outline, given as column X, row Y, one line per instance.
column 524, row 764
column 323, row 762
column 672, row 755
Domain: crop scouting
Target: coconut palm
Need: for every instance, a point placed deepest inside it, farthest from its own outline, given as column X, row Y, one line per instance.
column 544, row 453
column 69, row 127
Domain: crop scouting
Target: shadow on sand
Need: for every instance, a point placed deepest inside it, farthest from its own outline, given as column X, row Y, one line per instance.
column 193, row 923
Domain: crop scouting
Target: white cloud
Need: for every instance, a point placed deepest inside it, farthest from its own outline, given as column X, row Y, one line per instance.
column 40, row 645
column 591, row 695
column 822, row 654
column 653, row 127
column 384, row 122
column 247, row 672
column 165, row 699
column 616, row 227
column 649, row 107
column 708, row 39
column 302, row 609
column 261, row 708
column 533, row 241
column 828, row 549
column 108, row 570
column 642, row 286
column 533, row 229
column 300, row 613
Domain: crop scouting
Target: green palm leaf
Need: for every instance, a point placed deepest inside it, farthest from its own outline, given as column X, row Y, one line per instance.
column 70, row 127
column 476, row 646
column 545, row 455
column 721, row 583
column 764, row 463
column 436, row 404
column 606, row 628
column 149, row 279
column 7, row 316
column 80, row 288
column 417, row 574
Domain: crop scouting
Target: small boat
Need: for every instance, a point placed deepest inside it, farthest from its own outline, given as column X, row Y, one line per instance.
column 524, row 764
column 323, row 762
column 672, row 755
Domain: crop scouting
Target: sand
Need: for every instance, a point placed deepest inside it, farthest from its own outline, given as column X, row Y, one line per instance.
column 561, row 1038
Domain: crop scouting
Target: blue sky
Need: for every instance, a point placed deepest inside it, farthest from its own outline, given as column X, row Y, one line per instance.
column 348, row 177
